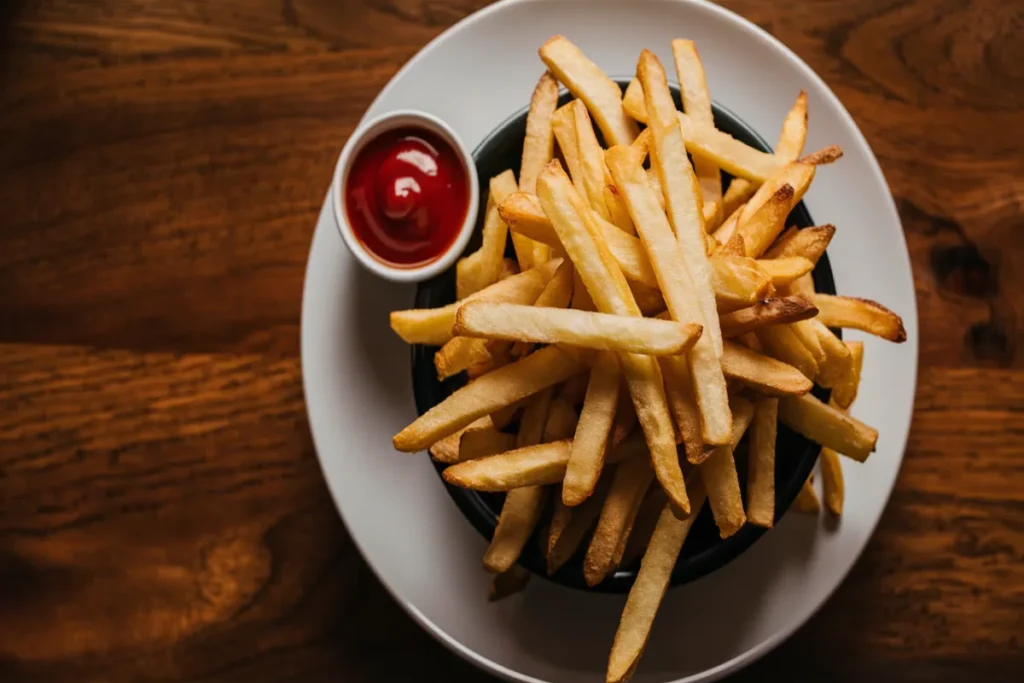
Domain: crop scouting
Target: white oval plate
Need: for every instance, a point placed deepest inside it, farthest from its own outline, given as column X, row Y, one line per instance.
column 359, row 393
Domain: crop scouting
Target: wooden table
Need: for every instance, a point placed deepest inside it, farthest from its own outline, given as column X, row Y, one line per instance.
column 162, row 514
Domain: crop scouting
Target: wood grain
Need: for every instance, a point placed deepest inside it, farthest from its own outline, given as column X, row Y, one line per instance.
column 162, row 513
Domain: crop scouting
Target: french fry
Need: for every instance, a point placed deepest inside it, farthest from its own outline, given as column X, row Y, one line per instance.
column 805, row 332
column 536, row 465
column 845, row 392
column 667, row 259
column 719, row 475
column 619, row 215
column 575, row 388
column 557, row 292
column 570, row 525
column 707, row 142
column 433, row 326
column 832, row 481
column 796, row 175
column 761, row 228
column 480, row 443
column 763, row 373
column 630, row 482
column 507, row 583
column 836, row 365
column 809, row 243
column 772, row 311
column 737, row 282
column 608, row 288
column 824, row 156
column 561, row 422
column 682, row 202
column 632, row 104
column 591, row 159
column 581, row 300
column 644, row 524
column 648, row 590
column 539, row 144
column 860, row 314
column 761, row 463
column 563, row 123
column 485, row 395
column 447, row 449
column 483, row 267
column 586, row 459
column 807, row 500
column 460, row 353
column 782, row 342
column 503, row 417
column 682, row 403
column 735, row 246
column 625, row 417
column 586, row 81
column 783, row 271
column 697, row 102
column 802, row 285
column 515, row 322
column 828, row 426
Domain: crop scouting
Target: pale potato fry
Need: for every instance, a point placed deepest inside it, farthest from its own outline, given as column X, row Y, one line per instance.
column 633, row 103
column 644, row 524
column 519, row 515
column 515, row 322
column 483, row 267
column 682, row 403
column 649, row 589
column 761, row 463
column 796, row 175
column 607, row 286
column 807, row 500
column 585, row 80
column 433, row 326
column 697, row 103
column 809, row 243
column 539, row 144
column 682, row 202
column 558, row 291
column 481, row 443
column 782, row 342
column 828, row 426
column 724, row 233
column 495, row 390
column 832, row 481
column 586, row 460
column 508, row 583
column 536, row 465
column 772, row 311
column 447, row 449
column 630, row 482
column 860, row 314
column 562, row 420
column 794, row 130
column 807, row 335
column 654, row 181
column 738, row 193
column 737, row 282
column 845, row 392
column 802, row 285
column 836, row 365
column 707, row 142
column 735, row 246
column 665, row 252
column 591, row 159
column 617, row 211
column 761, row 228
column 570, row 525
column 763, row 373
column 563, row 123
column 718, row 472
column 783, row 271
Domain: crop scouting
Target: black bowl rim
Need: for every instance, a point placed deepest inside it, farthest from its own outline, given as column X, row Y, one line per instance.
column 725, row 550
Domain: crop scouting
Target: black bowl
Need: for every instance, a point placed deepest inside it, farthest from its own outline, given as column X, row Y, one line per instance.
column 704, row 550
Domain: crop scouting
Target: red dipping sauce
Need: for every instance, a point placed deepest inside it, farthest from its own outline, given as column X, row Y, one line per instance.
column 406, row 196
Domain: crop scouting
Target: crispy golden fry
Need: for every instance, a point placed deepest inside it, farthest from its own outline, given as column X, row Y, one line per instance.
column 809, row 243
column 828, row 426
column 585, row 80
column 682, row 403
column 459, row 354
column 719, row 475
column 761, row 228
column 835, row 368
column 846, row 391
column 591, row 159
column 682, row 196
column 782, row 342
column 761, row 463
column 796, row 175
column 575, row 388
column 644, row 524
column 519, row 516
column 447, row 449
column 697, row 103
column 561, row 422
column 495, row 390
column 783, row 271
column 667, row 259
column 537, row 465
column 539, row 144
column 558, row 291
column 586, row 460
column 738, row 282
column 860, row 314
column 794, row 130
column 434, row 325
column 630, row 482
column 832, row 481
column 736, row 246
column 619, row 214
column 563, row 123
column 483, row 267
column 707, row 142
column 633, row 103
column 826, row 155
column 480, row 443
column 515, row 322
column 807, row 500
column 763, row 373
column 604, row 281
column 570, row 525
column 807, row 335
column 648, row 590
column 772, row 311
column 738, row 193
column 508, row 583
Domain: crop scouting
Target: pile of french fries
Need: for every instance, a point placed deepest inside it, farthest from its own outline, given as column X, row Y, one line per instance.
column 648, row 309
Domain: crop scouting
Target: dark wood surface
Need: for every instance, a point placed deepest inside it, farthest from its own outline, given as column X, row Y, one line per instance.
column 162, row 514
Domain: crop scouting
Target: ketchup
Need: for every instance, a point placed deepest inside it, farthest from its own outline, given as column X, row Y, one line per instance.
column 406, row 196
